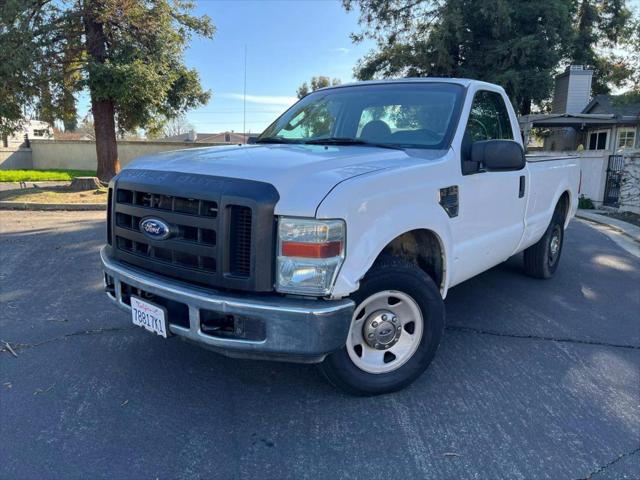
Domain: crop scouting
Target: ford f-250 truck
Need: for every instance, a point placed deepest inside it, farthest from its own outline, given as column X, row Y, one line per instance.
column 335, row 237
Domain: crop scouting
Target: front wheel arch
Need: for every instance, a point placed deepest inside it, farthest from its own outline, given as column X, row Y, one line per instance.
column 421, row 247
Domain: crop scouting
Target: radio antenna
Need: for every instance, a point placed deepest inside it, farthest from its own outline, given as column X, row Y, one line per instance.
column 244, row 98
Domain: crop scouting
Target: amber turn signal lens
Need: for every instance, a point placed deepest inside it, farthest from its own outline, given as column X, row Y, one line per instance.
column 311, row 250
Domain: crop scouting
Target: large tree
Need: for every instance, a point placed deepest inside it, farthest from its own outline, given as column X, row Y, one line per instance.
column 600, row 27
column 520, row 45
column 127, row 54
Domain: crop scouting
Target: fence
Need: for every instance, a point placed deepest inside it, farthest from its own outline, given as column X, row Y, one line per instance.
column 15, row 158
column 80, row 154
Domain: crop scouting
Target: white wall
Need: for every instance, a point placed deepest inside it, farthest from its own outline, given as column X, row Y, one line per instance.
column 593, row 167
column 15, row 158
column 81, row 154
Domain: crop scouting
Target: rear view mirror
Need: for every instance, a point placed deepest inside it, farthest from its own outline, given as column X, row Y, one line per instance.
column 497, row 155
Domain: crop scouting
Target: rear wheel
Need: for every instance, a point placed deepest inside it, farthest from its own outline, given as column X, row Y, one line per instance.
column 541, row 259
column 395, row 331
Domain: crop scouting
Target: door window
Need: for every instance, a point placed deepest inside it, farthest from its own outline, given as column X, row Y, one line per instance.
column 488, row 119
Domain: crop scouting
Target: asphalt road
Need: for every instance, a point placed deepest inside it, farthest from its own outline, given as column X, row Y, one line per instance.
column 535, row 379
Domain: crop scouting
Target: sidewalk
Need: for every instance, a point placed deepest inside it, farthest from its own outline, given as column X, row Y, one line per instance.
column 625, row 228
column 624, row 234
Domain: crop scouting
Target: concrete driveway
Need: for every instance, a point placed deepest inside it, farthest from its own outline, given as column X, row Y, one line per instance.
column 535, row 379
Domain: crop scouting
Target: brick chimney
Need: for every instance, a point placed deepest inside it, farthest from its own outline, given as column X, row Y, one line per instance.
column 572, row 90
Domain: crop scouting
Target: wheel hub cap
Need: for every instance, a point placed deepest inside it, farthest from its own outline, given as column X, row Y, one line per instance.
column 555, row 245
column 382, row 329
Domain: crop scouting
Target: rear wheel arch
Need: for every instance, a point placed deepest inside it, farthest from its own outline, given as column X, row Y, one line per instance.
column 563, row 206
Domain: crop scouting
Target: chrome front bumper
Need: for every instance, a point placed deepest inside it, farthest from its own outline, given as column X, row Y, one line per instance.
column 297, row 330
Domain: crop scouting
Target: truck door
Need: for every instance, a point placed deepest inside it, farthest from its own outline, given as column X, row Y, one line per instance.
column 492, row 204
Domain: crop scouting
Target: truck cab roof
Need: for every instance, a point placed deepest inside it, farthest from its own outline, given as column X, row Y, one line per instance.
column 464, row 82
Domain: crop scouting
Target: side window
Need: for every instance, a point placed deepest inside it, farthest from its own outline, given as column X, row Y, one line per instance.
column 488, row 119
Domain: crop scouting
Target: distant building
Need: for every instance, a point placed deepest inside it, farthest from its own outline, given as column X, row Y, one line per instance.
column 197, row 137
column 30, row 130
column 77, row 135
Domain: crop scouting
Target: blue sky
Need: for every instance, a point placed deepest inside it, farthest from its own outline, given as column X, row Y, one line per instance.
column 287, row 42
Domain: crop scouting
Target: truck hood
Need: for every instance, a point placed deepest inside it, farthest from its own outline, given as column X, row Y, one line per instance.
column 302, row 174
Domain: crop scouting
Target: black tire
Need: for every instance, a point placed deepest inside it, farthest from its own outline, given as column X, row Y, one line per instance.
column 540, row 259
column 391, row 273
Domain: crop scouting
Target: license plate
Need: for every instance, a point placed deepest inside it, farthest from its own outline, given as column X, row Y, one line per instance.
column 150, row 316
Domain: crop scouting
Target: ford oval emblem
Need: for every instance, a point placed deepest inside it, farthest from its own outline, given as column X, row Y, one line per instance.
column 155, row 228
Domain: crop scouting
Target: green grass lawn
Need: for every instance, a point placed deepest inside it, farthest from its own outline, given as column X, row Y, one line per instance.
column 42, row 175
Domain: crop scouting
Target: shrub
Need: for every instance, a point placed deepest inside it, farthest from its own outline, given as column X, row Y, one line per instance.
column 585, row 203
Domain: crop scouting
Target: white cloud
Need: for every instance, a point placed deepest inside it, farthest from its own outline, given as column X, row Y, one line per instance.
column 342, row 50
column 262, row 99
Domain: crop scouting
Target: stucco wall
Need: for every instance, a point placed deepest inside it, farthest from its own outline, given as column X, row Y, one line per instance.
column 593, row 166
column 81, row 155
column 14, row 158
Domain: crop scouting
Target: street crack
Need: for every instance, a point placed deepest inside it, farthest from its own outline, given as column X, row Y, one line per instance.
column 457, row 328
column 13, row 347
column 601, row 469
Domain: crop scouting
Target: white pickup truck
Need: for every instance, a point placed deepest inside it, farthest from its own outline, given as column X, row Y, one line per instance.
column 335, row 237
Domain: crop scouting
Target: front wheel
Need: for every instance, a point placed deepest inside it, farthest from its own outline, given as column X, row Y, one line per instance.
column 395, row 331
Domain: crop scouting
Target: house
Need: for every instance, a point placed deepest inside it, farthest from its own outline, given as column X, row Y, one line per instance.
column 606, row 123
column 30, row 130
column 196, row 137
column 603, row 132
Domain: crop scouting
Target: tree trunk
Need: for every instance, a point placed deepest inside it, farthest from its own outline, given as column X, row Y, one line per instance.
column 103, row 109
column 106, row 146
column 525, row 106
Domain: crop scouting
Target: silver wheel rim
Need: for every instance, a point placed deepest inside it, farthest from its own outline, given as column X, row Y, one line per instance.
column 554, row 245
column 379, row 344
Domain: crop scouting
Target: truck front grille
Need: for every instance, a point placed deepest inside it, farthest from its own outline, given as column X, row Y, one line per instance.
column 212, row 236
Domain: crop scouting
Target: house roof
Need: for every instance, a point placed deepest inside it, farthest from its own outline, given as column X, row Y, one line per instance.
column 614, row 105
column 601, row 111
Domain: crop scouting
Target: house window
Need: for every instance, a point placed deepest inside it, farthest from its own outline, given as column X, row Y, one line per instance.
column 626, row 138
column 227, row 137
column 39, row 133
column 598, row 140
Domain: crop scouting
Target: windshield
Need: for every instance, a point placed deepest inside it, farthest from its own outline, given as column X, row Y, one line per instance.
column 395, row 114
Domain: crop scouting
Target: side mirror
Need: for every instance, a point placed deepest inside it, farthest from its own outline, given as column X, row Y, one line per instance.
column 497, row 155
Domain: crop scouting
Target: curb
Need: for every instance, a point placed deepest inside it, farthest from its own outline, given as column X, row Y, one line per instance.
column 6, row 205
column 624, row 228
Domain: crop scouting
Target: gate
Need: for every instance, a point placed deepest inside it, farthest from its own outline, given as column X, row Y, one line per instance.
column 614, row 181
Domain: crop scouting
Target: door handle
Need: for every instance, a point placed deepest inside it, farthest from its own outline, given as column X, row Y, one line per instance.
column 522, row 185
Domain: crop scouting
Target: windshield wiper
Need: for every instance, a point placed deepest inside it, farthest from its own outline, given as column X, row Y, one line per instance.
column 350, row 141
column 276, row 140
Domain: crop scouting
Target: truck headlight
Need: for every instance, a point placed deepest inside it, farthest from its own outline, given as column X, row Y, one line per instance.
column 310, row 253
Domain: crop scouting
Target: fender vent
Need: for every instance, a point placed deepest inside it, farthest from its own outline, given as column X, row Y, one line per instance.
column 449, row 200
